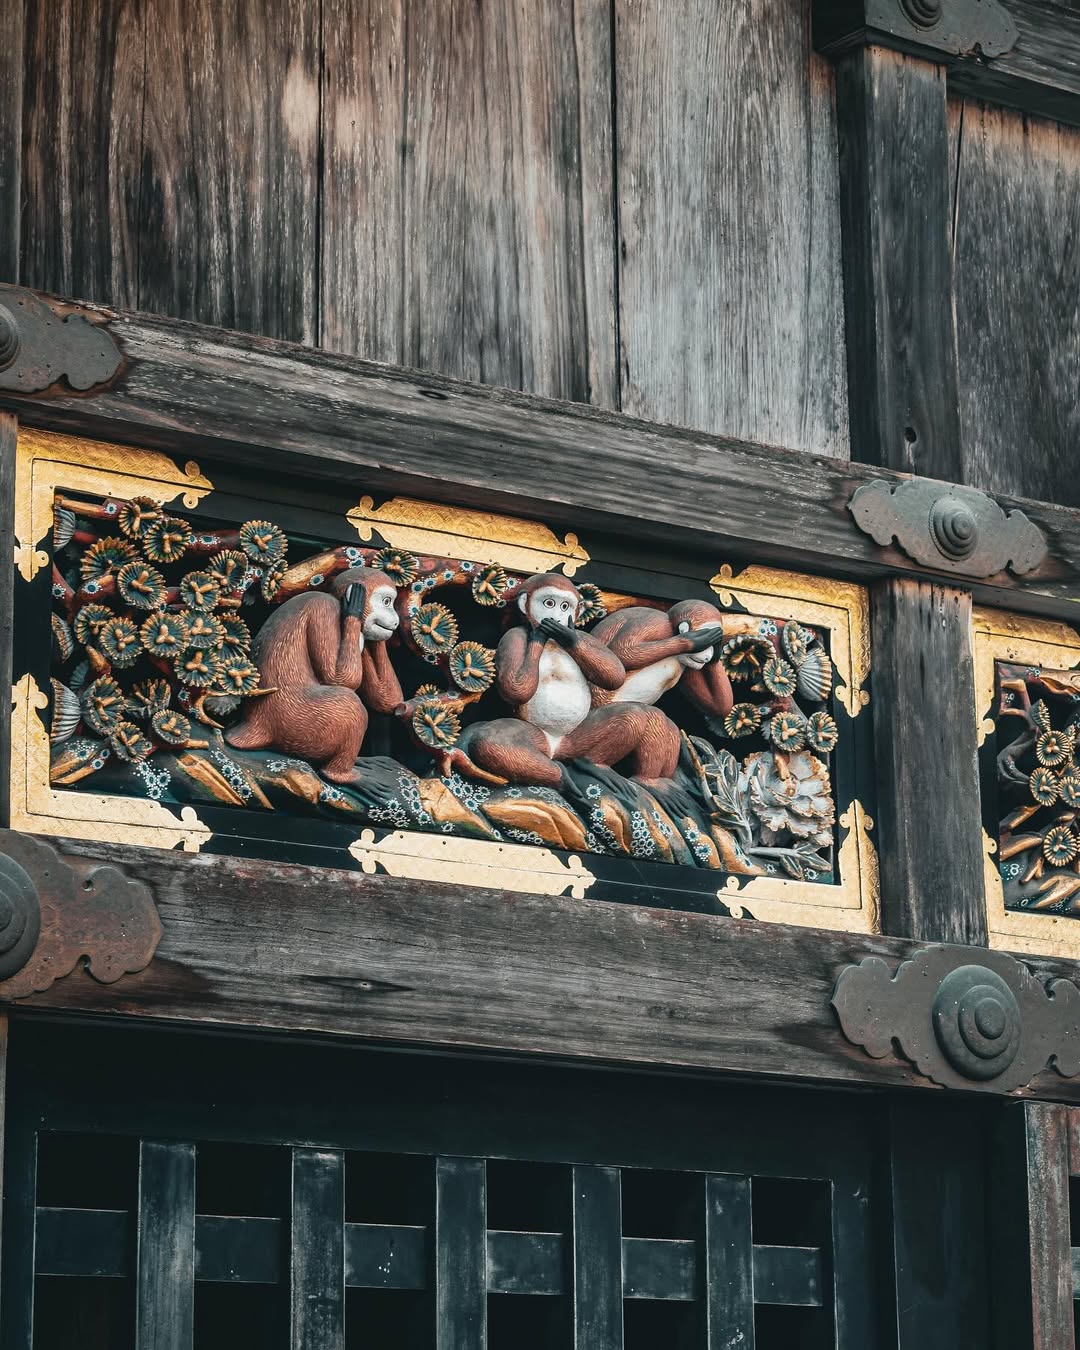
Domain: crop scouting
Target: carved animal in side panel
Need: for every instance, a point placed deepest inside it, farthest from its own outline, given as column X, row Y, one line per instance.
column 547, row 670
column 324, row 657
column 663, row 650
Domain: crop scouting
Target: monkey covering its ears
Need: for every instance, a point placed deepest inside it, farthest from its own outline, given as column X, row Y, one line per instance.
column 318, row 653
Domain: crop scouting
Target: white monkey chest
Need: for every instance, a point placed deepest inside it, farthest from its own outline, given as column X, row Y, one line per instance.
column 562, row 700
column 649, row 683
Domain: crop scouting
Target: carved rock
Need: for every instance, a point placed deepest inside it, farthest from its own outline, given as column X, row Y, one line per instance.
column 991, row 1025
column 69, row 909
column 40, row 346
column 947, row 527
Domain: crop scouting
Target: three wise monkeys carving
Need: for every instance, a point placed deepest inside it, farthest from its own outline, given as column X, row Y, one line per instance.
column 572, row 694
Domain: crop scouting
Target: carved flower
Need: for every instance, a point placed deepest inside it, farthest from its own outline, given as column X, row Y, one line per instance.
column 744, row 656
column 1044, row 785
column 64, row 522
column 129, row 743
column 436, row 724
column 237, row 676
column 822, row 733
column 205, row 631
column 89, row 622
column 472, row 667
column 401, row 567
column 427, row 691
column 779, row 677
column 136, row 516
column 592, row 605
column 103, row 704
column 105, row 556
column 743, row 720
column 1068, row 787
column 200, row 591
column 171, row 727
column 164, row 634
column 62, row 637
column 141, row 585
column 489, row 585
column 167, row 539
column 228, row 569
column 1053, row 747
column 434, row 628
column 1060, row 846
column 787, row 731
column 797, row 802
column 263, row 541
column 119, row 640
column 795, row 641
column 197, row 667
column 149, row 697
column 237, row 633
column 1040, row 715
column 271, row 579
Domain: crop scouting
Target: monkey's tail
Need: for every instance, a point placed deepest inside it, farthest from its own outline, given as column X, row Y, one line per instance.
column 456, row 758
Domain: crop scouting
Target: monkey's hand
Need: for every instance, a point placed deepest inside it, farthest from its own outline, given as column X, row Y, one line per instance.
column 702, row 638
column 552, row 628
column 352, row 602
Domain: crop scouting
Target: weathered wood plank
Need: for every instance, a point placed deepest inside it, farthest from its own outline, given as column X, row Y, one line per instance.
column 1018, row 303
column 467, row 215
column 598, row 1259
column 894, row 195
column 317, row 1246
column 460, row 1254
column 12, row 67
column 262, row 405
column 929, row 816
column 1032, row 1305
column 230, row 145
column 81, row 171
column 165, row 1305
column 262, row 945
column 730, row 293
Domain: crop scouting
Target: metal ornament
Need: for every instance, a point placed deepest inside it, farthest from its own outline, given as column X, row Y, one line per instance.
column 991, row 1026
column 981, row 28
column 947, row 527
column 40, row 346
column 20, row 917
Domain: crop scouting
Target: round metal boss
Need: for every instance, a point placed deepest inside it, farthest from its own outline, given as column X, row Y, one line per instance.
column 922, row 13
column 954, row 527
column 977, row 1022
column 9, row 338
column 20, row 917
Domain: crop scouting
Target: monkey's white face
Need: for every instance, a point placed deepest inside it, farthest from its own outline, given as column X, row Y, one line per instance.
column 380, row 618
column 694, row 660
column 550, row 602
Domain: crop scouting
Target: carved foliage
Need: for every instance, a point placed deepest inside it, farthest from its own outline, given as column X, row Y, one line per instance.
column 989, row 1025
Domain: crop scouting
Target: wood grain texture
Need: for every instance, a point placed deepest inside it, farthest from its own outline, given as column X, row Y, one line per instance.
column 259, row 945
column 81, row 169
column 12, row 67
column 927, row 773
column 894, row 192
column 1032, row 1304
column 230, row 146
column 9, row 428
column 730, row 295
column 165, row 1302
column 253, row 403
column 317, row 1250
column 1018, row 303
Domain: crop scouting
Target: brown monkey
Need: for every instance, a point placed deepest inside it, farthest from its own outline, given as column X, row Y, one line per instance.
column 316, row 652
column 661, row 650
column 546, row 669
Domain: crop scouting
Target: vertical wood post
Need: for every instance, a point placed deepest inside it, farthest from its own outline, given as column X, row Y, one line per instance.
column 598, row 1284
column 894, row 207
column 318, row 1250
column 1032, row 1278
column 12, row 62
column 460, row 1254
column 726, row 1281
column 165, row 1317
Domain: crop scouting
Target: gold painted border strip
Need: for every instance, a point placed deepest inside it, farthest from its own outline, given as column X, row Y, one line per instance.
column 1001, row 636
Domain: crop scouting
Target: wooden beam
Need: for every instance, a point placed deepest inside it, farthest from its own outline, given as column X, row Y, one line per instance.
column 12, row 65
column 894, row 206
column 264, row 946
column 929, row 821
column 1032, row 1302
column 273, row 407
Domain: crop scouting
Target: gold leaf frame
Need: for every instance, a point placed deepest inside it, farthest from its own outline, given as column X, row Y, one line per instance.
column 843, row 611
column 1021, row 640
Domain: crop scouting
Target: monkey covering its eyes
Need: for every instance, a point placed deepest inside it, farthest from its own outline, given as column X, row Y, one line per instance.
column 319, row 653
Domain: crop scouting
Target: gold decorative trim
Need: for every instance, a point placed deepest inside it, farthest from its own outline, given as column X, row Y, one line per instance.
column 854, row 904
column 472, row 862
column 476, row 536
column 46, row 461
column 38, row 808
column 1021, row 639
column 838, row 606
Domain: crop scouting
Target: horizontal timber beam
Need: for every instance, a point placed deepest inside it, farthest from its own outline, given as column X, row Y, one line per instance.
column 268, row 406
column 257, row 945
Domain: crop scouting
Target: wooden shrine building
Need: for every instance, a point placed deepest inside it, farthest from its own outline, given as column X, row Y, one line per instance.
column 541, row 792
